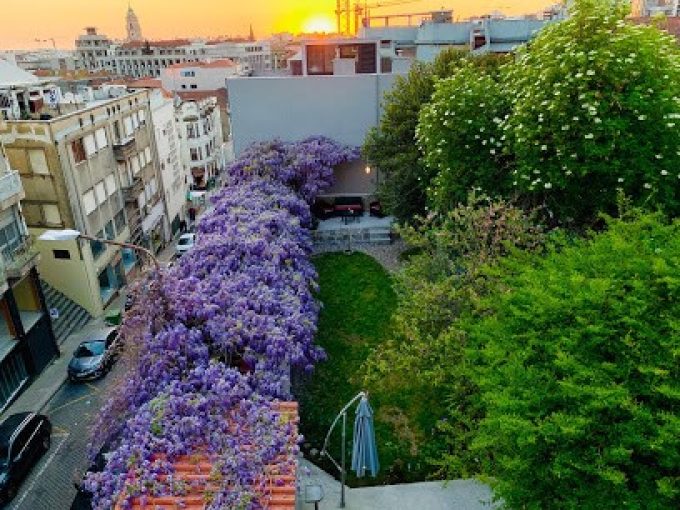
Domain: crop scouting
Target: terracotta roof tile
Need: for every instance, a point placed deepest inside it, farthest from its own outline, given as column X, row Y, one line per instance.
column 196, row 470
column 145, row 83
column 199, row 95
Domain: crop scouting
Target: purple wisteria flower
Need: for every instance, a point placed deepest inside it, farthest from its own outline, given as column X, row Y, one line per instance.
column 210, row 343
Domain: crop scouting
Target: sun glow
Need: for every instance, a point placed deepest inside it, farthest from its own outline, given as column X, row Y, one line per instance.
column 318, row 24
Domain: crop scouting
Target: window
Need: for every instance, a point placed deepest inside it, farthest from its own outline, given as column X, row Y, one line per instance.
column 142, row 116
column 101, row 192
column 192, row 130
column 135, row 120
column 142, row 159
column 147, row 153
column 154, row 186
column 89, row 203
column 135, row 165
column 61, row 254
column 194, row 86
column 127, row 121
column 100, row 136
column 119, row 221
column 188, row 74
column 110, row 231
column 51, row 214
column 78, row 150
column 38, row 161
column 110, row 184
column 194, row 154
column 97, row 247
column 90, row 145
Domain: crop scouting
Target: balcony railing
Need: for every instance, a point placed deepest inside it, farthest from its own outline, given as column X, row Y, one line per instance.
column 10, row 186
column 20, row 258
column 132, row 190
column 125, row 148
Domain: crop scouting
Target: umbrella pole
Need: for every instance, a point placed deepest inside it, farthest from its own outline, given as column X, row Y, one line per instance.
column 343, row 474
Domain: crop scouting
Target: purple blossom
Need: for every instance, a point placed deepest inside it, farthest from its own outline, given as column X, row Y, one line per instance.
column 211, row 342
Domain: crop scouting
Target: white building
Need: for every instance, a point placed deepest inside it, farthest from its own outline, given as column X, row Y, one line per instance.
column 201, row 76
column 173, row 172
column 23, row 95
column 204, row 150
column 146, row 58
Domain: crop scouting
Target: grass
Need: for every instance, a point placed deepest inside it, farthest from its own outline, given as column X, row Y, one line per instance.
column 358, row 302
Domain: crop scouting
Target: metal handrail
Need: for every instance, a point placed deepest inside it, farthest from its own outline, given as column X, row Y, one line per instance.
column 324, row 451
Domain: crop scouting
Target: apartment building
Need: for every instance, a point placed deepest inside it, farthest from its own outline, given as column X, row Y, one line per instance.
column 204, row 150
column 172, row 169
column 93, row 169
column 147, row 58
column 27, row 343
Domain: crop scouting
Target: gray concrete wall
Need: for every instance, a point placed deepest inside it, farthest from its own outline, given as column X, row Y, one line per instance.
column 343, row 108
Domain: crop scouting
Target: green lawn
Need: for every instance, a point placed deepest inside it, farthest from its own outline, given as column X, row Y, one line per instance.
column 358, row 302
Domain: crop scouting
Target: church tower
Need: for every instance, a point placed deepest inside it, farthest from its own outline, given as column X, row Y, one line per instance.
column 134, row 30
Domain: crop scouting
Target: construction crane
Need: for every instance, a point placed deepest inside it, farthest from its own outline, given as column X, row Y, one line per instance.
column 343, row 12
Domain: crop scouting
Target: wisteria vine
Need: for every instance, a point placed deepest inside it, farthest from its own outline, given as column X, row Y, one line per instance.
column 210, row 343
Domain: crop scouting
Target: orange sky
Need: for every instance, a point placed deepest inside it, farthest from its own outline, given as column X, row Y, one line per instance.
column 63, row 20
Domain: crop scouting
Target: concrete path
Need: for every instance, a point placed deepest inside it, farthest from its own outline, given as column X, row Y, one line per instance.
column 451, row 495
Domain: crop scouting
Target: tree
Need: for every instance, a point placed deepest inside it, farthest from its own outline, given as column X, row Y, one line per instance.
column 438, row 285
column 596, row 109
column 460, row 136
column 391, row 146
column 580, row 372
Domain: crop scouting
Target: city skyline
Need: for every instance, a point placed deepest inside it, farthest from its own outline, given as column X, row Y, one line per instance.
column 178, row 18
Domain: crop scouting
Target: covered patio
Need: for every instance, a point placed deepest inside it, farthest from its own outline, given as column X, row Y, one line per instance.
column 345, row 231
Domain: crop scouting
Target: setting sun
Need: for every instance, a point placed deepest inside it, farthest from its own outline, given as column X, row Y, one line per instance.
column 318, row 24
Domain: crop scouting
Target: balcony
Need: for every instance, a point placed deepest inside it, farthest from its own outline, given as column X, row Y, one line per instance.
column 125, row 148
column 132, row 190
column 20, row 258
column 11, row 191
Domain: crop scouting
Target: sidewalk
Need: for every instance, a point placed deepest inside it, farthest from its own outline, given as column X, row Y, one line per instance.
column 450, row 495
column 51, row 379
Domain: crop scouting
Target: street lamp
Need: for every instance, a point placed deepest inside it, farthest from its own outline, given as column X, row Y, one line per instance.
column 72, row 235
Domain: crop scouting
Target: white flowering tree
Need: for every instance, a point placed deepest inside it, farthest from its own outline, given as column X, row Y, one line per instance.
column 460, row 136
column 596, row 108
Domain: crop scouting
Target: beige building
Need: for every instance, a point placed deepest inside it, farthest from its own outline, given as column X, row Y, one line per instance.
column 27, row 343
column 93, row 170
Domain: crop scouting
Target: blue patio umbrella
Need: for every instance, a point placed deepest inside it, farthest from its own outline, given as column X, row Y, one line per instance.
column 364, row 450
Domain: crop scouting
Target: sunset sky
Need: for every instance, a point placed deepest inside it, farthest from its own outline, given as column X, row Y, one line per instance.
column 64, row 20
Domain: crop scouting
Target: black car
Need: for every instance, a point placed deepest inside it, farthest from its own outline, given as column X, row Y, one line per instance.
column 24, row 437
column 95, row 356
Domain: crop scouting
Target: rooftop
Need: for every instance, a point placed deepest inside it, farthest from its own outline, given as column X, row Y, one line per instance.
column 197, row 469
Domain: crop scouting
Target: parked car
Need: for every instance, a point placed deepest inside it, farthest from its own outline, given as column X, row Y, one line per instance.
column 185, row 243
column 24, row 438
column 95, row 356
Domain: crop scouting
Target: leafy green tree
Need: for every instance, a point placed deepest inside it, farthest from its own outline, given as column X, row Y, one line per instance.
column 461, row 138
column 427, row 359
column 580, row 372
column 391, row 146
column 596, row 108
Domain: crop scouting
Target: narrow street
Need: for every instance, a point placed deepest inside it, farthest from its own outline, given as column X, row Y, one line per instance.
column 50, row 486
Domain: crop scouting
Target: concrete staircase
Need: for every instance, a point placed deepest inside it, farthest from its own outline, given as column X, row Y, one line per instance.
column 72, row 316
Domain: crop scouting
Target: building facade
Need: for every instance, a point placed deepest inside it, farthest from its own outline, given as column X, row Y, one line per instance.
column 146, row 59
column 94, row 170
column 173, row 173
column 27, row 342
column 204, row 150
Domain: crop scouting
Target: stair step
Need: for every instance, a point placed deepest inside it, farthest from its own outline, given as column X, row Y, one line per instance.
column 72, row 316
